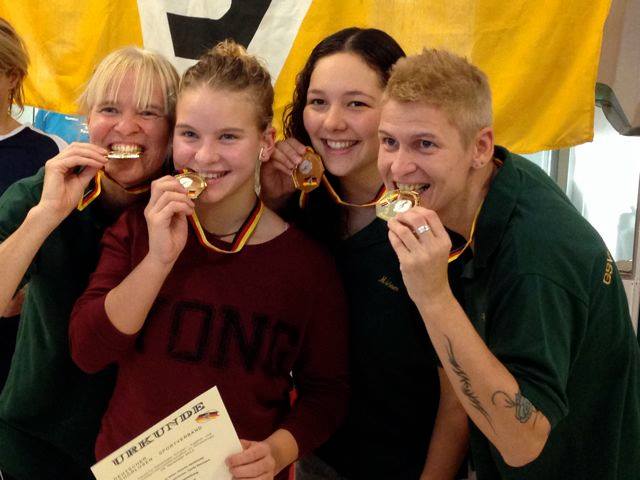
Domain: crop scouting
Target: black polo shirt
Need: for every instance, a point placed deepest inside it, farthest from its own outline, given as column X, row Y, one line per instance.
column 545, row 295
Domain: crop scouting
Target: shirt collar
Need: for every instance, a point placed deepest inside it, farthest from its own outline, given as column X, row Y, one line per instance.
column 497, row 208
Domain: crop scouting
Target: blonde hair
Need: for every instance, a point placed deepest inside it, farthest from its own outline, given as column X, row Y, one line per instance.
column 448, row 82
column 150, row 70
column 14, row 59
column 229, row 66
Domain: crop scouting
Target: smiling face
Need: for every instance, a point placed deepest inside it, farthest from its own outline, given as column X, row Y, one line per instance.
column 217, row 135
column 421, row 150
column 119, row 122
column 342, row 114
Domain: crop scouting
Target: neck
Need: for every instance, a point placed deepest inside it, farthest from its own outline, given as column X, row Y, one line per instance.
column 479, row 184
column 227, row 216
column 360, row 187
column 114, row 198
column 7, row 122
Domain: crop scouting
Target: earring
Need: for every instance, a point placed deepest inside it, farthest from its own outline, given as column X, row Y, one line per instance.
column 260, row 154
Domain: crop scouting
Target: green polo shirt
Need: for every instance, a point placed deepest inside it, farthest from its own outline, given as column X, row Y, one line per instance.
column 49, row 410
column 545, row 295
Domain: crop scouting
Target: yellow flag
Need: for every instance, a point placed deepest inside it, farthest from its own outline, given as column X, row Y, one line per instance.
column 541, row 57
column 65, row 40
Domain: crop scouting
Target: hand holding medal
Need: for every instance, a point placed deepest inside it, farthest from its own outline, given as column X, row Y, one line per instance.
column 166, row 216
column 67, row 175
column 423, row 247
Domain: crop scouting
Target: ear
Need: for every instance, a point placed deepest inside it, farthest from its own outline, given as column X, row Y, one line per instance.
column 483, row 147
column 267, row 143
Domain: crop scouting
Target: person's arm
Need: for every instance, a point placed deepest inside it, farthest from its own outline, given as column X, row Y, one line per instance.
column 487, row 390
column 450, row 437
column 62, row 189
column 107, row 318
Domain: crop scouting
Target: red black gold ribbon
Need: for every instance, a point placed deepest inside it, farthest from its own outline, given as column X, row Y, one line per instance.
column 240, row 238
column 95, row 188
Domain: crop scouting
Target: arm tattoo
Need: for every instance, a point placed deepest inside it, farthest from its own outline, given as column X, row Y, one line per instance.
column 465, row 383
column 524, row 409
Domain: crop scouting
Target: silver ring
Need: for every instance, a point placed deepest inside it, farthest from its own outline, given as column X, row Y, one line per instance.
column 422, row 229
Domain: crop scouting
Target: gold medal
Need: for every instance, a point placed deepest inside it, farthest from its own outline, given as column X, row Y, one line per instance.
column 307, row 175
column 124, row 151
column 193, row 183
column 394, row 202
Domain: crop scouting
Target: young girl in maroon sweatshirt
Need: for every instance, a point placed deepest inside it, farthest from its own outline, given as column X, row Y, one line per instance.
column 189, row 294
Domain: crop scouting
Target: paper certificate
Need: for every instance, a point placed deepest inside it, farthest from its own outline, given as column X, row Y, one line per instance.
column 190, row 444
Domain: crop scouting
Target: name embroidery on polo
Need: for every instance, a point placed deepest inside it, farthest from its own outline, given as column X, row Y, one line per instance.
column 384, row 280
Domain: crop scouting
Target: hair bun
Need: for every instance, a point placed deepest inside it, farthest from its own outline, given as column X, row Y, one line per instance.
column 229, row 48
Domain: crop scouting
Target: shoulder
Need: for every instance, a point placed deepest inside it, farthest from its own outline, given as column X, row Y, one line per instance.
column 545, row 235
column 26, row 190
column 53, row 141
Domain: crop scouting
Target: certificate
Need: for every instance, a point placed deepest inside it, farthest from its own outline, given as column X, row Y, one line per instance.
column 190, row 444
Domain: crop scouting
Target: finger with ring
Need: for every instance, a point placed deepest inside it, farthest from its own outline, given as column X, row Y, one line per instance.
column 422, row 229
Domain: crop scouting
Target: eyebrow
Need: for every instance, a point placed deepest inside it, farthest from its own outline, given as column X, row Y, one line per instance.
column 316, row 91
column 413, row 135
column 220, row 130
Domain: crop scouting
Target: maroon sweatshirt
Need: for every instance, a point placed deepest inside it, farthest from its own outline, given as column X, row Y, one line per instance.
column 254, row 323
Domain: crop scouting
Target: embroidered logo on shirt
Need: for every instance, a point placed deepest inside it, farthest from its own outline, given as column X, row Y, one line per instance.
column 384, row 280
column 608, row 270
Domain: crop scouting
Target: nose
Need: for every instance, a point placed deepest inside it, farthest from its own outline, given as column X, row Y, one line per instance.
column 334, row 119
column 401, row 165
column 127, row 124
column 206, row 155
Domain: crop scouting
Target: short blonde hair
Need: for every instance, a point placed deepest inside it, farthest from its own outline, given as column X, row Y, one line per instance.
column 228, row 66
column 448, row 82
column 150, row 69
column 14, row 59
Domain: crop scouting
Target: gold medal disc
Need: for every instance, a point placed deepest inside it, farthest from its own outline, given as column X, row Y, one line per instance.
column 307, row 175
column 125, row 151
column 394, row 202
column 193, row 183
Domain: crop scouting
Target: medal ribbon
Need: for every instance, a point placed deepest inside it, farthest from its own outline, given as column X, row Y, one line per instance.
column 240, row 238
column 456, row 252
column 93, row 191
column 336, row 198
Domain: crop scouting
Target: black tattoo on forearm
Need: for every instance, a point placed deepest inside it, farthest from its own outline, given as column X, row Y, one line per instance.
column 524, row 409
column 465, row 383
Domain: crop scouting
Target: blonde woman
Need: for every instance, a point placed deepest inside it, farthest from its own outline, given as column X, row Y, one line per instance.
column 50, row 410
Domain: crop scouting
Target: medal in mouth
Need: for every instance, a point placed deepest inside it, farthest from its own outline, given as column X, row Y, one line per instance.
column 120, row 151
column 192, row 182
column 394, row 202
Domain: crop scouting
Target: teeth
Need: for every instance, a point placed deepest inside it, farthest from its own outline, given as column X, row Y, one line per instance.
column 212, row 175
column 412, row 187
column 126, row 148
column 340, row 144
